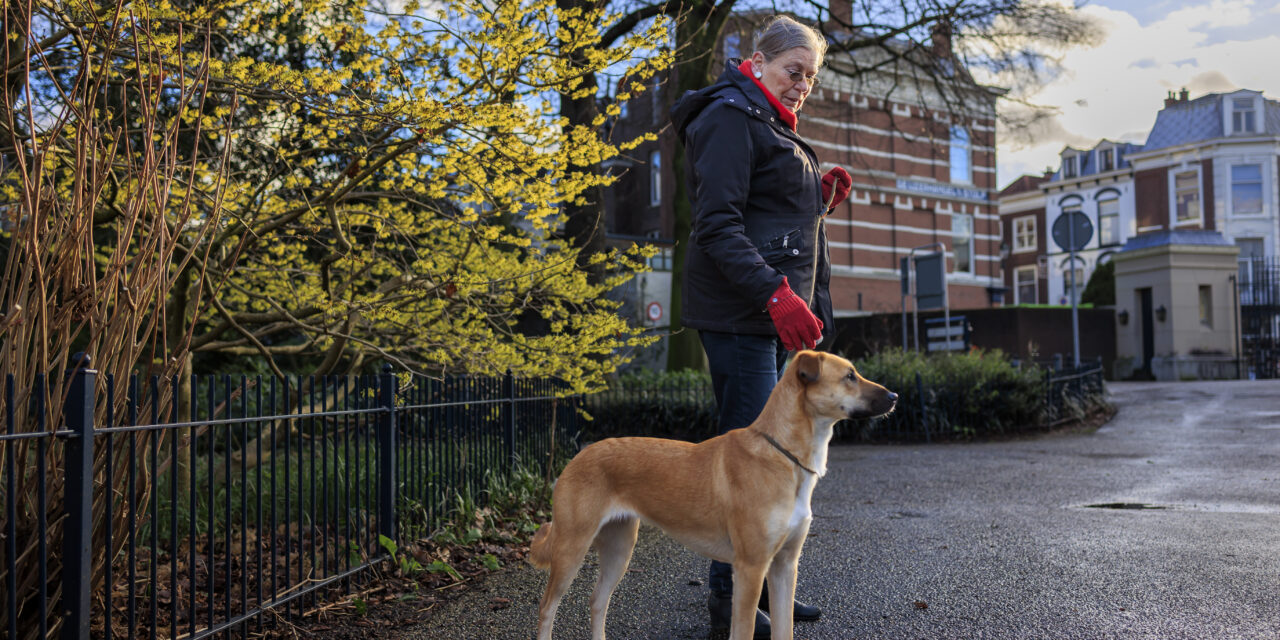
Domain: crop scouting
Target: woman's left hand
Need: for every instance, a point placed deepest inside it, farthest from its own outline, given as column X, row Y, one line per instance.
column 839, row 180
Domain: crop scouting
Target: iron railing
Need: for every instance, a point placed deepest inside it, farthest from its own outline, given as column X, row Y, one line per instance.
column 185, row 512
column 1258, row 281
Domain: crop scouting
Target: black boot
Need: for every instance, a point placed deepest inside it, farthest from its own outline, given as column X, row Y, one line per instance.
column 800, row 610
column 721, row 608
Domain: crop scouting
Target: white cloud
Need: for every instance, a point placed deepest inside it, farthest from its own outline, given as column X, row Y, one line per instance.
column 1115, row 89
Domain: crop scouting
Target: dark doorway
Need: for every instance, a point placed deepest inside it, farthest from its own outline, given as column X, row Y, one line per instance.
column 1148, row 330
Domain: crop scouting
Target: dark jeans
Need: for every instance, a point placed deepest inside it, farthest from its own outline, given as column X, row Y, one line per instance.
column 744, row 369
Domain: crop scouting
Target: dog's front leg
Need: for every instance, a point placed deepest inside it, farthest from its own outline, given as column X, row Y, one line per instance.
column 748, row 580
column 782, row 590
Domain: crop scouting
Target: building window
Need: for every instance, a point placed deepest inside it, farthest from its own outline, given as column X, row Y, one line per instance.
column 1025, row 285
column 1024, row 234
column 1070, row 294
column 662, row 260
column 1069, row 166
column 961, row 171
column 656, row 93
column 655, row 178
column 1206, row 305
column 1072, row 205
column 1252, row 267
column 1106, row 160
column 1109, row 221
column 1246, row 189
column 1186, row 196
column 962, row 242
column 1242, row 116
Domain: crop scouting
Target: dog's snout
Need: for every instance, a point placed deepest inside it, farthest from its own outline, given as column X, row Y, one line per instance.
column 893, row 397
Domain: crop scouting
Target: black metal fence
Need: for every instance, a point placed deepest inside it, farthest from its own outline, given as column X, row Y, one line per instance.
column 1070, row 391
column 1259, row 289
column 162, row 510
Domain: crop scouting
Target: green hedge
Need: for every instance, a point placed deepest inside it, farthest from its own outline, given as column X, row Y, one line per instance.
column 965, row 395
column 679, row 405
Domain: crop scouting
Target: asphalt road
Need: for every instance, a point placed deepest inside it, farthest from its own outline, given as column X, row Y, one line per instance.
column 996, row 540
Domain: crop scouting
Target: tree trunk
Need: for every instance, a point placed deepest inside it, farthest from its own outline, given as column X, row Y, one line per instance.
column 700, row 32
column 584, row 226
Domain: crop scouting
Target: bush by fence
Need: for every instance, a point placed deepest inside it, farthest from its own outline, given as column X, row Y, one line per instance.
column 959, row 396
column 944, row 397
column 679, row 405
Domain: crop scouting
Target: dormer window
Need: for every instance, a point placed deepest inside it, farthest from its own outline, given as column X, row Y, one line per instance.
column 1243, row 118
column 1106, row 160
column 1068, row 166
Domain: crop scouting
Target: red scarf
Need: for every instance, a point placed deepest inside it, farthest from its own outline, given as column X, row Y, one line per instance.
column 786, row 115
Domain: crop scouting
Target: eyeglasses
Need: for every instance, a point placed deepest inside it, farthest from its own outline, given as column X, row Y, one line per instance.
column 797, row 76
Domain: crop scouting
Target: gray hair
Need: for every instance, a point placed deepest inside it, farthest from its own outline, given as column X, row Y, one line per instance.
column 782, row 33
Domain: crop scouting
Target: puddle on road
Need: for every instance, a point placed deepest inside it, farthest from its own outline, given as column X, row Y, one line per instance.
column 1232, row 507
column 1124, row 505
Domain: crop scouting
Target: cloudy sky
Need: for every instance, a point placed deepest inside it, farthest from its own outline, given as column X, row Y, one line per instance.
column 1151, row 47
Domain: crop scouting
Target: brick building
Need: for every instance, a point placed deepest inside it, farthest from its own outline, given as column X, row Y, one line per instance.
column 919, row 146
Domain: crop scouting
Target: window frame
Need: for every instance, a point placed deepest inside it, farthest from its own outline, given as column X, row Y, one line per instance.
column 1081, row 280
column 1069, row 166
column 963, row 145
column 1030, row 229
column 968, row 242
column 1205, row 305
column 1109, row 197
column 1106, row 160
column 655, row 178
column 1174, row 172
column 1035, row 284
column 1260, row 181
column 1250, row 113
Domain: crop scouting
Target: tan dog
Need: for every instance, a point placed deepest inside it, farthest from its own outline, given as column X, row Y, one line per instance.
column 742, row 497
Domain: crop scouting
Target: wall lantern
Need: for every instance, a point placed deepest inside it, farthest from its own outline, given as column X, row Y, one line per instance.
column 1161, row 312
column 1123, row 317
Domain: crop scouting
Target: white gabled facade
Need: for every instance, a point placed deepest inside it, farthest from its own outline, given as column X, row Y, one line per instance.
column 1098, row 183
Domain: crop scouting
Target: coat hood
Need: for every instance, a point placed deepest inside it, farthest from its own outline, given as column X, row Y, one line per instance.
column 731, row 82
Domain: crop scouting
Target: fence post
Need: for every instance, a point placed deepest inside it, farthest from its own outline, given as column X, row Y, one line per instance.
column 78, row 494
column 509, row 417
column 387, row 454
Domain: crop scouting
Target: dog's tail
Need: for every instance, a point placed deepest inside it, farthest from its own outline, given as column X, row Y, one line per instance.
column 540, row 548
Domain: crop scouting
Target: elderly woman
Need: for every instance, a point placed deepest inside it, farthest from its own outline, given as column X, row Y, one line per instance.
column 756, row 275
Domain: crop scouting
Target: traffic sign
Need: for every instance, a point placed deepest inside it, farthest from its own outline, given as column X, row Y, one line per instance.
column 1072, row 231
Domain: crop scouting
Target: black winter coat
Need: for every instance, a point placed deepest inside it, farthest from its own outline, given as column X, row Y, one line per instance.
column 756, row 190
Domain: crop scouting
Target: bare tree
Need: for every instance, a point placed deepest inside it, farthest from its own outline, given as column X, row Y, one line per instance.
column 77, row 276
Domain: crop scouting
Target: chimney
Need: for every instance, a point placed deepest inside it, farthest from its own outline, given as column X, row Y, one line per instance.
column 841, row 14
column 1170, row 99
column 940, row 39
column 1182, row 95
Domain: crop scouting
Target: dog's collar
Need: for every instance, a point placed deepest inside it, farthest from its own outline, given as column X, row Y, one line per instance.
column 790, row 456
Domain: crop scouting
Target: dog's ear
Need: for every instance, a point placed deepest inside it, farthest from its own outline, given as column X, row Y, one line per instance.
column 808, row 365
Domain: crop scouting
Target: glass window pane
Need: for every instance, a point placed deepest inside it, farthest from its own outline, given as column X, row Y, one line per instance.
column 1245, row 172
column 1025, row 284
column 1246, row 198
column 959, row 159
column 1187, row 195
column 962, row 241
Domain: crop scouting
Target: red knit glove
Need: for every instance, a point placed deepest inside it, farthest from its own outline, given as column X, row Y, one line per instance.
column 797, row 326
column 838, row 179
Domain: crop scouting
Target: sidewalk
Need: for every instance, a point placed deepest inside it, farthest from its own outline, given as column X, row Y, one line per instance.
column 996, row 540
